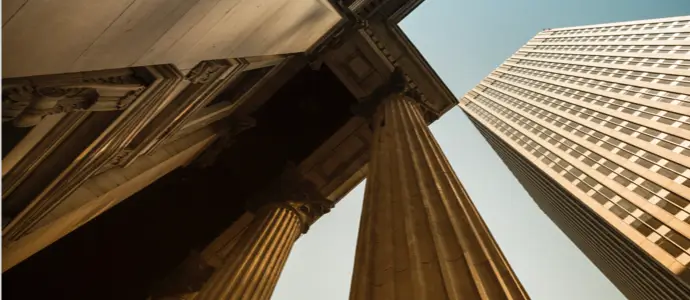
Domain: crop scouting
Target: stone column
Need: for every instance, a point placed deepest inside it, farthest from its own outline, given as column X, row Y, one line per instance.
column 254, row 265
column 420, row 235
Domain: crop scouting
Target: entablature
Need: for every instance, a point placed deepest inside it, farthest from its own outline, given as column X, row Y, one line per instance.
column 367, row 57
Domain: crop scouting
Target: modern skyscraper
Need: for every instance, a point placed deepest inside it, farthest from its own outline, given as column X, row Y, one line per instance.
column 594, row 121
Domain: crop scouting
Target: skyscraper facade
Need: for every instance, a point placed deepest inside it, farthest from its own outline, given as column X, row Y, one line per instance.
column 594, row 121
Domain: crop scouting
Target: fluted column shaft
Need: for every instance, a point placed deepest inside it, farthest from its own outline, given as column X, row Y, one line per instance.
column 254, row 268
column 286, row 209
column 420, row 235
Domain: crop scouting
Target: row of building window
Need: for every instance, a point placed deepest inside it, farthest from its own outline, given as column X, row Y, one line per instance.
column 624, row 28
column 676, row 36
column 615, row 60
column 658, row 49
column 614, row 88
column 652, row 136
column 646, row 189
column 665, row 79
column 654, row 114
column 654, row 230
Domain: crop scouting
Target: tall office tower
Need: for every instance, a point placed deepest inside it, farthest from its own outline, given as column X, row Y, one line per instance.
column 594, row 121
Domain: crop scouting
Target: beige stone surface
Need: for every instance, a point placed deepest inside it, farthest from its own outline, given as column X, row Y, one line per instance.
column 254, row 268
column 28, row 142
column 420, row 236
column 101, row 193
column 60, row 36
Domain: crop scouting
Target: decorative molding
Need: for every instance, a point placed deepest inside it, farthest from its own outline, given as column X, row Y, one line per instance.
column 163, row 82
column 385, row 54
column 207, row 79
column 394, row 85
column 258, row 62
column 369, row 56
column 394, row 45
column 263, row 90
column 291, row 190
column 364, row 9
column 397, row 84
column 41, row 151
column 202, row 118
column 15, row 99
column 386, row 47
column 206, row 71
column 27, row 101
column 396, row 10
column 338, row 36
column 18, row 151
column 101, row 192
column 117, row 160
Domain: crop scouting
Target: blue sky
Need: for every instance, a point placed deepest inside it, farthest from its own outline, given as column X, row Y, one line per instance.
column 464, row 41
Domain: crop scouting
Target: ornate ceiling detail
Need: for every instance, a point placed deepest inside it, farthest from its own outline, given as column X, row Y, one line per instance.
column 26, row 102
column 159, row 83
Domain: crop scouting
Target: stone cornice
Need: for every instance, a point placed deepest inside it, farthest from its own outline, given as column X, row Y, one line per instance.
column 402, row 11
column 206, row 81
column 390, row 10
column 335, row 31
column 26, row 101
column 41, row 151
column 378, row 26
column 163, row 82
column 399, row 51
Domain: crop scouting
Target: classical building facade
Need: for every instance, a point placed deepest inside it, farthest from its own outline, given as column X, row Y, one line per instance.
column 177, row 149
column 594, row 121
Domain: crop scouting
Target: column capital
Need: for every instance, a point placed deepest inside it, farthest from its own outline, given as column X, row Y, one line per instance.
column 396, row 84
column 284, row 210
column 292, row 191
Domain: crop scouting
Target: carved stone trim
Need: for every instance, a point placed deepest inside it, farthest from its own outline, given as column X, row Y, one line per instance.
column 395, row 48
column 207, row 79
column 206, row 71
column 258, row 62
column 364, row 9
column 163, row 82
column 383, row 52
column 205, row 116
column 291, row 190
column 212, row 78
column 16, row 97
column 40, row 151
column 21, row 148
column 396, row 84
column 116, row 161
column 265, row 88
column 93, row 198
column 27, row 101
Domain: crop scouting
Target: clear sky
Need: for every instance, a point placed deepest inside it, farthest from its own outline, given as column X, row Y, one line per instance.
column 464, row 41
